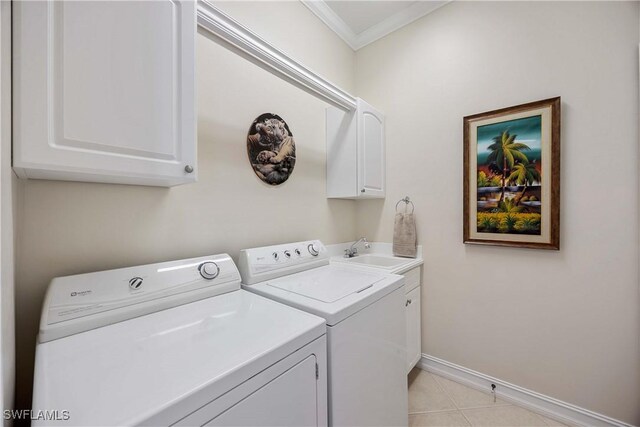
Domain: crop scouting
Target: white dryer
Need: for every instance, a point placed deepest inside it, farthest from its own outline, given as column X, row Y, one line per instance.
column 176, row 343
column 365, row 316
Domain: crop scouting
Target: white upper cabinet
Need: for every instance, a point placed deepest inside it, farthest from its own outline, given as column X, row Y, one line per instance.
column 104, row 91
column 371, row 158
column 355, row 153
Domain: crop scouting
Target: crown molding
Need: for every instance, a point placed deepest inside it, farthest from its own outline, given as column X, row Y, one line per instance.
column 333, row 21
column 376, row 32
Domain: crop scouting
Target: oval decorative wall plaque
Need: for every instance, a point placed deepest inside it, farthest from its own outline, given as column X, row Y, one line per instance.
column 271, row 149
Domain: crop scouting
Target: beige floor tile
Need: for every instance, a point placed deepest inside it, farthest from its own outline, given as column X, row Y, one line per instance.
column 425, row 394
column 552, row 423
column 507, row 416
column 442, row 419
column 467, row 397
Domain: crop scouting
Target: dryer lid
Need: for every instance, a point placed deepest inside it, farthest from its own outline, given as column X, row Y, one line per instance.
column 165, row 365
column 327, row 284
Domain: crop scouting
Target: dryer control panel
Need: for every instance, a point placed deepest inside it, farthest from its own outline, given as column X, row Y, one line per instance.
column 268, row 262
column 82, row 302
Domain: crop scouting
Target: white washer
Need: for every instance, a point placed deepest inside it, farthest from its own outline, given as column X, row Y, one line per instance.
column 365, row 316
column 176, row 343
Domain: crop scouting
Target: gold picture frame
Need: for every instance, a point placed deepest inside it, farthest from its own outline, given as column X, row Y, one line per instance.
column 512, row 176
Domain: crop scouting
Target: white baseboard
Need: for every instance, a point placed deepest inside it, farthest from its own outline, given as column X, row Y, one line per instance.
column 536, row 402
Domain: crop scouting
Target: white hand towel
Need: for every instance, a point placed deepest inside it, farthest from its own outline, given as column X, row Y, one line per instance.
column 404, row 235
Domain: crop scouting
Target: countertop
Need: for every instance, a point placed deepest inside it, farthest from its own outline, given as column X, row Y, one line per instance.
column 336, row 254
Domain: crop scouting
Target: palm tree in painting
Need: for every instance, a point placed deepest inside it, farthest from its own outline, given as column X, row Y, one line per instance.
column 524, row 173
column 506, row 151
column 508, row 206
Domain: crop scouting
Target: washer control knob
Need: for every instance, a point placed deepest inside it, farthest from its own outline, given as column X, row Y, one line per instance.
column 135, row 283
column 313, row 250
column 275, row 255
column 297, row 251
column 209, row 270
column 287, row 254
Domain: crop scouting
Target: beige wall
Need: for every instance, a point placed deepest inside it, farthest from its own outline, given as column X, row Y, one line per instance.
column 561, row 323
column 68, row 228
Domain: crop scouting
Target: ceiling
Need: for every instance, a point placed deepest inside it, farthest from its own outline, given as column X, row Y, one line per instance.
column 360, row 22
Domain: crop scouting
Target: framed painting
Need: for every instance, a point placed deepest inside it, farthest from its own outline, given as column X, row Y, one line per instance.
column 512, row 176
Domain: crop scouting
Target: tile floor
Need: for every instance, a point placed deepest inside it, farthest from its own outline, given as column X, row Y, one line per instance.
column 437, row 401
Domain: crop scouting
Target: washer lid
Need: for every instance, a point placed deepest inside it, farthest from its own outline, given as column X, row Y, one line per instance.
column 157, row 368
column 327, row 284
column 332, row 292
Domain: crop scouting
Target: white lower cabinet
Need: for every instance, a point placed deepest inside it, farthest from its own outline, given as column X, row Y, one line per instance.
column 104, row 91
column 413, row 328
column 413, row 317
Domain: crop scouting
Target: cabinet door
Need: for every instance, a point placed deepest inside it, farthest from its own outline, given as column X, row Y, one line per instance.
column 414, row 338
column 104, row 91
column 371, row 151
column 342, row 154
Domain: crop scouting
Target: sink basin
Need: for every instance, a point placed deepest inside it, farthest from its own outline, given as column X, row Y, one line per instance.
column 376, row 261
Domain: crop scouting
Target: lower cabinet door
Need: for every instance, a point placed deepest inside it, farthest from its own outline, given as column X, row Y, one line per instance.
column 414, row 336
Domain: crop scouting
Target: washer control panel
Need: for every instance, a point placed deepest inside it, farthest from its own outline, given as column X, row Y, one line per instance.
column 284, row 253
column 268, row 262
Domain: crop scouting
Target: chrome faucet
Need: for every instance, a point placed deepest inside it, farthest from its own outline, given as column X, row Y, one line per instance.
column 353, row 251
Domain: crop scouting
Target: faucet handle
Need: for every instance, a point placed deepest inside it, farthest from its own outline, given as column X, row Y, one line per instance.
column 350, row 253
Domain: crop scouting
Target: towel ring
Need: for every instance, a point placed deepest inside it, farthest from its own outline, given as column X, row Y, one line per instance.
column 407, row 201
